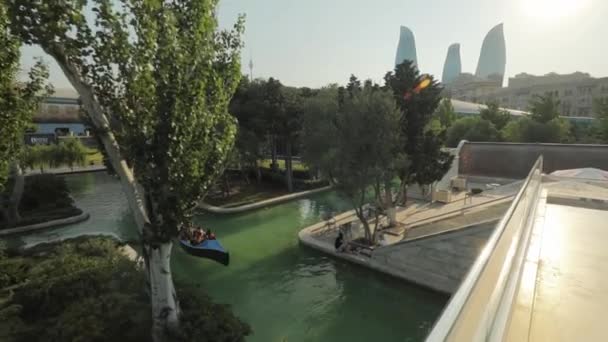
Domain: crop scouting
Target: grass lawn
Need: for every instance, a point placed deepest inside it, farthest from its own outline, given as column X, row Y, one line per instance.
column 297, row 165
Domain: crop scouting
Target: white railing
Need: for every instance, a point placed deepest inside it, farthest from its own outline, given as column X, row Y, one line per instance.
column 481, row 307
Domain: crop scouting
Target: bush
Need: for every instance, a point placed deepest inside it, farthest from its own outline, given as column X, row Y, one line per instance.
column 203, row 320
column 89, row 291
column 471, row 129
column 45, row 191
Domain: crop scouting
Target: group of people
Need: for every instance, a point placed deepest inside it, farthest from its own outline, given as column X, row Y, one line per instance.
column 196, row 235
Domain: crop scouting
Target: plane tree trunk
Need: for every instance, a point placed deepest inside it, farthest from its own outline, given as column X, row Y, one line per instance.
column 157, row 255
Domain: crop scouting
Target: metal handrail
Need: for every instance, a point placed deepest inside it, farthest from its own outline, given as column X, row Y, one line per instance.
column 448, row 319
column 455, row 211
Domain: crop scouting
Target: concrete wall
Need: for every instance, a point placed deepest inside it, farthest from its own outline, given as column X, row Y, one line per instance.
column 510, row 160
column 440, row 261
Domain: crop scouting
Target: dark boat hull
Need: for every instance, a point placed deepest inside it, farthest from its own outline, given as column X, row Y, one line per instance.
column 209, row 249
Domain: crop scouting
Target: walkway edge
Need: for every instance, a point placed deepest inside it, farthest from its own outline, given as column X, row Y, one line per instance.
column 305, row 237
column 261, row 204
column 43, row 225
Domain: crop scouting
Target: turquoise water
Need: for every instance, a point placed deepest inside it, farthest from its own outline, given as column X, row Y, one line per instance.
column 285, row 291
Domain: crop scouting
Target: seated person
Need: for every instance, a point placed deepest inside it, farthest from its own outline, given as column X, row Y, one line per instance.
column 198, row 236
column 184, row 234
column 210, row 235
column 339, row 241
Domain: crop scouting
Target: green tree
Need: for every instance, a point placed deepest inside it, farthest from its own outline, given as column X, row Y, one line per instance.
column 247, row 106
column 471, row 128
column 600, row 108
column 498, row 117
column 72, row 152
column 527, row 130
column 544, row 125
column 417, row 97
column 291, row 126
column 319, row 129
column 544, row 108
column 445, row 113
column 18, row 103
column 355, row 143
column 155, row 80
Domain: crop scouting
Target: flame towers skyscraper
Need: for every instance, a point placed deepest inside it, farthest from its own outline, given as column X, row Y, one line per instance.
column 493, row 56
column 452, row 67
column 406, row 50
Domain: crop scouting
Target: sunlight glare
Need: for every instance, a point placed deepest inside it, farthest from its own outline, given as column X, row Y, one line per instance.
column 552, row 10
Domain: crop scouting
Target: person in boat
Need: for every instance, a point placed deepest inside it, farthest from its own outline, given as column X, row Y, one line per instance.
column 210, row 235
column 184, row 234
column 197, row 236
column 339, row 241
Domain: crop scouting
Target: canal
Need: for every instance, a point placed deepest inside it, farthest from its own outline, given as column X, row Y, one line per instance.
column 285, row 291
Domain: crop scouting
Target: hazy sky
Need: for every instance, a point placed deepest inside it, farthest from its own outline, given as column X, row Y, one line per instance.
column 316, row 42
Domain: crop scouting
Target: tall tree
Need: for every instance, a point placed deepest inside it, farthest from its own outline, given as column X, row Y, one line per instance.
column 417, row 97
column 18, row 103
column 472, row 129
column 290, row 129
column 273, row 114
column 445, row 113
column 247, row 106
column 498, row 117
column 355, row 144
column 544, row 108
column 156, row 81
column 544, row 125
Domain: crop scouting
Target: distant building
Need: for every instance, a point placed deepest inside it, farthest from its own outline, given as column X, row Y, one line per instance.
column 493, row 56
column 464, row 108
column 60, row 115
column 575, row 91
column 406, row 48
column 453, row 66
column 468, row 87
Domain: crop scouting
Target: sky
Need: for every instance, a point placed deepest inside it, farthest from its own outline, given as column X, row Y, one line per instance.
column 316, row 42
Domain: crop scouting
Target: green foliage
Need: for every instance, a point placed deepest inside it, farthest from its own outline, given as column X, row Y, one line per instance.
column 70, row 152
column 165, row 76
column 89, row 291
column 498, row 117
column 203, row 320
column 445, row 113
column 600, row 108
column 544, row 108
column 319, row 130
column 18, row 101
column 355, row 143
column 529, row 130
column 44, row 192
column 472, row 128
column 417, row 108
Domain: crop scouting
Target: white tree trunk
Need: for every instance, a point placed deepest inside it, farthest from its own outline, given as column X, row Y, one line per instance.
column 165, row 307
column 391, row 211
column 16, row 194
column 162, row 291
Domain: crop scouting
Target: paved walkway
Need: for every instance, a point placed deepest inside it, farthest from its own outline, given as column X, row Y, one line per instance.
column 261, row 204
column 429, row 218
column 67, row 170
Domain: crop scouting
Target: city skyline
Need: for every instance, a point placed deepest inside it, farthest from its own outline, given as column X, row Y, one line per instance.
column 314, row 44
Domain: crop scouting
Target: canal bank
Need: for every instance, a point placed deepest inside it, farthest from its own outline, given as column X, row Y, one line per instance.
column 285, row 291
